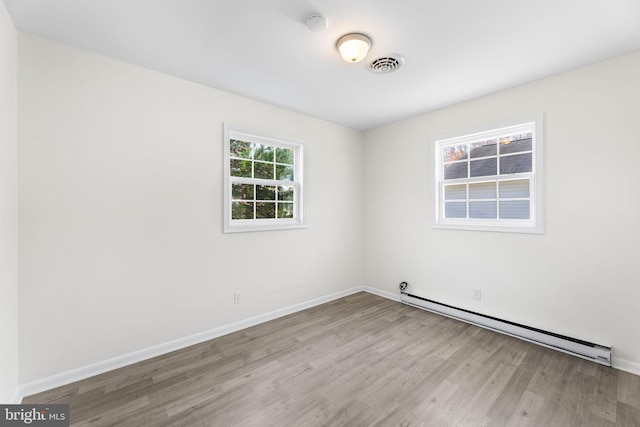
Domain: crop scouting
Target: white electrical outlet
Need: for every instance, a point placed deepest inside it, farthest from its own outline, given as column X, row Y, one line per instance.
column 477, row 294
column 237, row 297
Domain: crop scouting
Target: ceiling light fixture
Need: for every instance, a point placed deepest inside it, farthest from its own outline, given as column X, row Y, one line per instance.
column 353, row 47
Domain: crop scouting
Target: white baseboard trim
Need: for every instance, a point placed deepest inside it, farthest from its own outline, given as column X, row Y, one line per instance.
column 381, row 293
column 627, row 366
column 17, row 397
column 98, row 368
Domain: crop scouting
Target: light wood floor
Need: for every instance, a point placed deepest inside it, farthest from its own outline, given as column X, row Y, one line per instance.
column 358, row 361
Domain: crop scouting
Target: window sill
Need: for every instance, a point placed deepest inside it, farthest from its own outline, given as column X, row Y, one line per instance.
column 248, row 228
column 491, row 228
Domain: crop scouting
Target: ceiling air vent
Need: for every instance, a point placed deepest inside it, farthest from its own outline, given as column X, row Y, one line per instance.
column 385, row 64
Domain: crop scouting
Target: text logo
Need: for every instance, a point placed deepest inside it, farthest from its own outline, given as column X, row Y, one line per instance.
column 34, row 415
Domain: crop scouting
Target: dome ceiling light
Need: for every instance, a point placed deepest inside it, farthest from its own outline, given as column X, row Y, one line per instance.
column 354, row 47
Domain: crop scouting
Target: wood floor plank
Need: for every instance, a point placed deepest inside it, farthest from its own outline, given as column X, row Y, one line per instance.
column 527, row 412
column 627, row 416
column 361, row 360
column 628, row 389
column 484, row 399
column 502, row 410
column 604, row 400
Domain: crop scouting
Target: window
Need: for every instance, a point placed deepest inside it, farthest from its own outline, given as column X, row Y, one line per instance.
column 491, row 180
column 263, row 183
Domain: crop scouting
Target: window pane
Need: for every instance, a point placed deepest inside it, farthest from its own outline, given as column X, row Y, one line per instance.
column 285, row 193
column 285, row 210
column 266, row 210
column 264, row 170
column 263, row 188
column 486, row 180
column 265, row 192
column 242, row 210
column 455, row 170
column 455, row 192
column 284, row 155
column 514, row 209
column 518, row 188
column 482, row 190
column 515, row 164
column 284, row 173
column 455, row 210
column 484, row 148
column 455, row 152
column 240, row 168
column 484, row 167
column 240, row 149
column 486, row 210
column 242, row 192
column 263, row 152
column 515, row 143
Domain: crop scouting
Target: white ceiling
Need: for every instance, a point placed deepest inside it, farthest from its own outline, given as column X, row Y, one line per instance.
column 455, row 50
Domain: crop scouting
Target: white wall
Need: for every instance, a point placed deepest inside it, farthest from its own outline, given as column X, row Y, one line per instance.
column 8, row 208
column 120, row 198
column 120, row 191
column 581, row 277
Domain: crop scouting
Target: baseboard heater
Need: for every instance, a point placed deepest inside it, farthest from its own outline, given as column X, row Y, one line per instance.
column 583, row 349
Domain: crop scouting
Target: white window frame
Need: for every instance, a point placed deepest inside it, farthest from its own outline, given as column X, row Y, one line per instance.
column 249, row 225
column 535, row 224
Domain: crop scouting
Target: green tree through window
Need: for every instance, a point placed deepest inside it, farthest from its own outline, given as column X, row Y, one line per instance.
column 264, row 183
